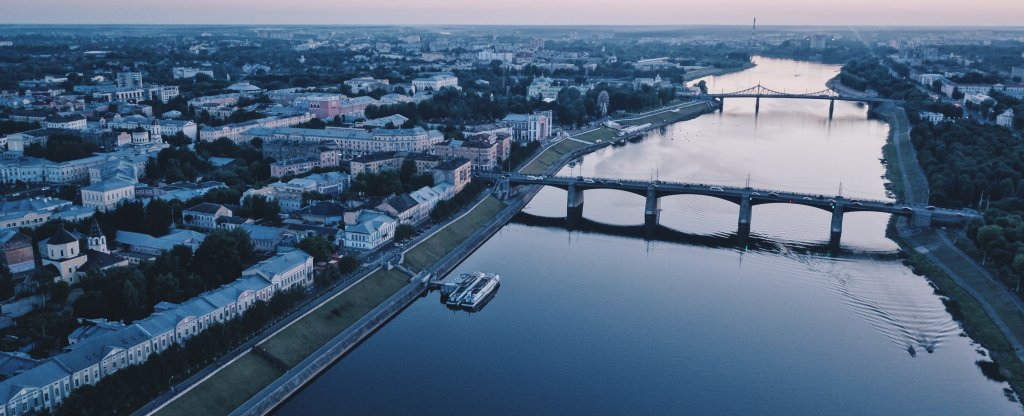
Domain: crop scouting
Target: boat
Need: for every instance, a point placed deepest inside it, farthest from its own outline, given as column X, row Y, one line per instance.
column 470, row 290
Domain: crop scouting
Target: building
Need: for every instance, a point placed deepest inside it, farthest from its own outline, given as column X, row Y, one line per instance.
column 322, row 213
column 1006, row 118
column 181, row 72
column 351, row 142
column 486, row 151
column 404, row 208
column 129, row 80
column 264, row 239
column 70, row 122
column 530, row 127
column 295, row 166
column 108, row 194
column 369, row 230
column 235, row 131
column 324, row 106
column 365, row 85
column 376, row 163
column 934, row 118
column 95, row 355
column 457, row 173
column 64, row 259
column 435, row 82
column 139, row 247
column 16, row 249
column 204, row 216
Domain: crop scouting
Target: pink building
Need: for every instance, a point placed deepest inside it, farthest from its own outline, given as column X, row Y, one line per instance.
column 325, row 107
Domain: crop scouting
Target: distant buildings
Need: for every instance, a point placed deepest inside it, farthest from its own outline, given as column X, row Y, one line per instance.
column 180, row 72
column 129, row 80
column 234, row 131
column 435, row 82
column 364, row 85
column 484, row 150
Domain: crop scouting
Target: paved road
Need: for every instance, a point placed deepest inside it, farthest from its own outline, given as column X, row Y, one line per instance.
column 980, row 284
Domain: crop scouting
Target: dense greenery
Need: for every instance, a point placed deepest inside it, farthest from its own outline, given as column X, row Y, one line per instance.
column 130, row 388
column 129, row 293
column 61, row 147
column 445, row 209
column 391, row 183
column 318, row 247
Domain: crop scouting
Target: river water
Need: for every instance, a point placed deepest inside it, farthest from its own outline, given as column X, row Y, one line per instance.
column 600, row 320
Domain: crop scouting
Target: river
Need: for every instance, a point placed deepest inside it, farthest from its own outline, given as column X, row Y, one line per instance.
column 601, row 321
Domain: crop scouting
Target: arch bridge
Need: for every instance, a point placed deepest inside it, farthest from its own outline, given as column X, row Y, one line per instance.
column 745, row 197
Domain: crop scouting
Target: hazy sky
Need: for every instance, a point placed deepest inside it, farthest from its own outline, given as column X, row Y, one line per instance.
column 519, row 12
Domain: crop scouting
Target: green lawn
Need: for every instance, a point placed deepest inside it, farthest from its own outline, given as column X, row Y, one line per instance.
column 550, row 156
column 668, row 116
column 602, row 134
column 302, row 338
column 226, row 390
column 428, row 252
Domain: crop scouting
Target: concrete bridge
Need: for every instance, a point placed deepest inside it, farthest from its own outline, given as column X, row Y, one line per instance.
column 746, row 198
column 758, row 91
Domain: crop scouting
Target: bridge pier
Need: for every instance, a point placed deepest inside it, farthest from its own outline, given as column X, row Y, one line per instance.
column 837, row 224
column 652, row 209
column 831, row 108
column 757, row 105
column 721, row 104
column 746, row 210
column 573, row 205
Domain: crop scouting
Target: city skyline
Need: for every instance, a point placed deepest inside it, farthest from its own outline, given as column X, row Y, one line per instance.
column 572, row 12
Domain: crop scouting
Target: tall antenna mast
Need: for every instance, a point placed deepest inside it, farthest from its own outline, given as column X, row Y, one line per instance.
column 753, row 33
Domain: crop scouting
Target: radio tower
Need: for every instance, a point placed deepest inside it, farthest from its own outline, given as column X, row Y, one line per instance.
column 753, row 33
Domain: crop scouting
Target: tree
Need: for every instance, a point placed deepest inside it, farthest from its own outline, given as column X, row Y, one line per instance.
column 221, row 256
column 158, row 217
column 318, row 247
column 261, row 208
column 178, row 139
column 404, row 231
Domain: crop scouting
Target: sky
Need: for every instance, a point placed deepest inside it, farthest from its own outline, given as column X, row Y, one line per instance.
column 519, row 12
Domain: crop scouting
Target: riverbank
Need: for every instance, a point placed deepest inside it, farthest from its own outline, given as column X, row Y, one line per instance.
column 985, row 309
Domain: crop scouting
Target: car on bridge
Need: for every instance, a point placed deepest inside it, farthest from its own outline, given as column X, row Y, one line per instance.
column 716, row 188
column 588, row 181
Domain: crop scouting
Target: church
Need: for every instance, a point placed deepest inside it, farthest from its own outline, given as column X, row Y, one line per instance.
column 64, row 259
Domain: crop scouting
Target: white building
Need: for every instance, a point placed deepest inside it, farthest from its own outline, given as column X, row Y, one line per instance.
column 235, row 131
column 204, row 216
column 350, row 143
column 435, row 82
column 71, row 122
column 369, row 230
column 107, row 194
column 181, row 72
column 931, row 117
column 365, row 85
column 1005, row 119
column 530, row 127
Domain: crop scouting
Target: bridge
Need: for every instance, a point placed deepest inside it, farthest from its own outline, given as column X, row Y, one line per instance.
column 758, row 91
column 745, row 197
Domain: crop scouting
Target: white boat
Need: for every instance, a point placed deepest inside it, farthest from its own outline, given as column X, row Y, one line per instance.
column 471, row 290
